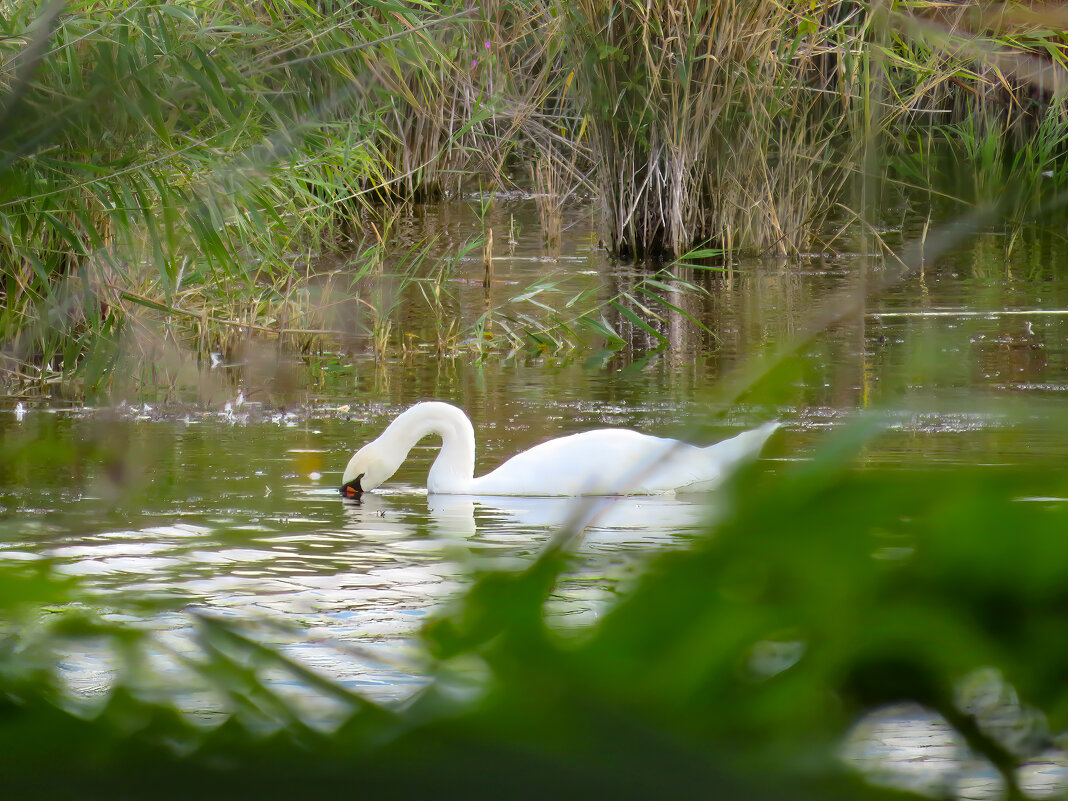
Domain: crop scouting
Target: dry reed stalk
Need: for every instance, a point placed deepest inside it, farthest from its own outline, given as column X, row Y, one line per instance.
column 487, row 259
column 547, row 173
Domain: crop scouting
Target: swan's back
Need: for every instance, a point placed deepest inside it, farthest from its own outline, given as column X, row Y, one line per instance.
column 613, row 461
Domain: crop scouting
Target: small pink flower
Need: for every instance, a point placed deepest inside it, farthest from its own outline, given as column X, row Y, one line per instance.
column 474, row 63
column 487, row 45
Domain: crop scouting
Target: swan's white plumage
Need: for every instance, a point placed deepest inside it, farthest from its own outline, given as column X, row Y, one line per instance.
column 606, row 461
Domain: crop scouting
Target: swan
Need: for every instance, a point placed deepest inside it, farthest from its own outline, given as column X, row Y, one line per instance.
column 605, row 461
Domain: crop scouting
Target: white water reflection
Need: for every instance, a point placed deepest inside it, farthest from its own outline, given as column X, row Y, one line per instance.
column 909, row 747
column 348, row 599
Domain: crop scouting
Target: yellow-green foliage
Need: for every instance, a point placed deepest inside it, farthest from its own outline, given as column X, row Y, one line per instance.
column 189, row 159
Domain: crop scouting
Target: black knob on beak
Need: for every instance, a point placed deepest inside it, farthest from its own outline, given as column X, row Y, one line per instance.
column 353, row 488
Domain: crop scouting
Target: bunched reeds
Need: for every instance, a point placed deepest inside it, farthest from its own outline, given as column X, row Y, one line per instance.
column 186, row 166
column 739, row 121
column 187, row 163
column 700, row 124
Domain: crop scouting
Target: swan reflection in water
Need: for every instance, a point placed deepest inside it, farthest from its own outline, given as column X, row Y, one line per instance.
column 364, row 587
column 455, row 533
column 624, row 520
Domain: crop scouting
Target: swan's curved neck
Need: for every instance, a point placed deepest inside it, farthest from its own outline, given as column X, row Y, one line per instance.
column 454, row 468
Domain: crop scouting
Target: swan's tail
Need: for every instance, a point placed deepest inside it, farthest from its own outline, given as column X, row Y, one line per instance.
column 743, row 448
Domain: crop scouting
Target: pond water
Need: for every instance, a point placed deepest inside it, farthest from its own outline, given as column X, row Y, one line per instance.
column 224, row 496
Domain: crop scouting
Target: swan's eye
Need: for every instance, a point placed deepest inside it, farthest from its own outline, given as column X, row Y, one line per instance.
column 353, row 488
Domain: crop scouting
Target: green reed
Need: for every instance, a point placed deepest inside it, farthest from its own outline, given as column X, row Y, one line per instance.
column 187, row 167
column 172, row 175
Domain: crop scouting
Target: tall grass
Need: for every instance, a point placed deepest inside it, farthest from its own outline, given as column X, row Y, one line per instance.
column 187, row 164
column 741, row 123
column 702, row 125
column 175, row 172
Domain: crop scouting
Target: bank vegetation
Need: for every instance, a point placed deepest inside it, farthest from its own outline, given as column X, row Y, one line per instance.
column 202, row 173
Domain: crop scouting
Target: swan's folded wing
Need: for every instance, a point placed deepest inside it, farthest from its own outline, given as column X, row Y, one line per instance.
column 732, row 453
column 613, row 461
column 601, row 462
column 700, row 469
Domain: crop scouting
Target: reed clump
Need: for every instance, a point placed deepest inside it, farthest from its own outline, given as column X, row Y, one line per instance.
column 552, row 186
column 741, row 123
column 701, row 124
column 185, row 165
column 189, row 165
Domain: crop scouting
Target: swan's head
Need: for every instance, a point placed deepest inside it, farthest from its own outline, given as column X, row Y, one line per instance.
column 366, row 470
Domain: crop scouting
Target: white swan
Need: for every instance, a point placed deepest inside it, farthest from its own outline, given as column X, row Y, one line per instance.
column 606, row 461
